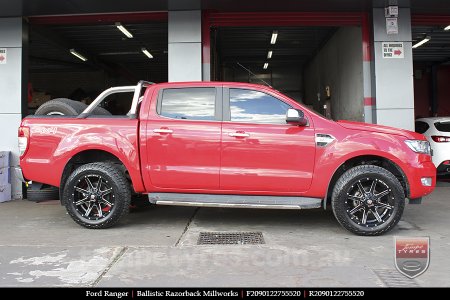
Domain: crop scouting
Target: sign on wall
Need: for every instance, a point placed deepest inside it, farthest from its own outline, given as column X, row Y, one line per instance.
column 391, row 26
column 393, row 50
column 3, row 56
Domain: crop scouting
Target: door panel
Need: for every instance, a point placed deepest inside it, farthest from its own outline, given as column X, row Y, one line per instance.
column 183, row 139
column 271, row 158
column 260, row 152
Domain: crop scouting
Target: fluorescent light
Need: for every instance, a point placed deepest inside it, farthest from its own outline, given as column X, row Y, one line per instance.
column 265, row 66
column 145, row 51
column 269, row 54
column 418, row 44
column 447, row 28
column 124, row 30
column 273, row 40
column 78, row 55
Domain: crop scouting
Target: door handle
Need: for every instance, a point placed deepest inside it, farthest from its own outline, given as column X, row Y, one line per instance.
column 163, row 130
column 238, row 134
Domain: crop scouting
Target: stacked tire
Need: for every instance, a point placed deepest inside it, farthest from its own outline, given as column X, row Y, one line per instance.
column 66, row 107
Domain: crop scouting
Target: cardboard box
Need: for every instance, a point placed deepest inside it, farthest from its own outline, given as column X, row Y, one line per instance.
column 4, row 176
column 4, row 159
column 5, row 193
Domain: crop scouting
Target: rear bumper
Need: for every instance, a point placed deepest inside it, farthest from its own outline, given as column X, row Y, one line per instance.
column 18, row 173
column 417, row 188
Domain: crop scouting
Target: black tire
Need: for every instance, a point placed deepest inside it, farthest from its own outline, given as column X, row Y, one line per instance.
column 101, row 111
column 67, row 107
column 93, row 186
column 38, row 195
column 373, row 211
column 61, row 106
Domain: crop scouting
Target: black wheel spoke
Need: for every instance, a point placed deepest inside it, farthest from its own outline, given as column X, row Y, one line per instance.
column 99, row 210
column 89, row 184
column 356, row 209
column 99, row 184
column 88, row 210
column 377, row 215
column 361, row 188
column 82, row 201
column 364, row 216
column 373, row 186
column 83, row 191
column 106, row 202
column 354, row 198
column 106, row 192
column 383, row 205
column 382, row 194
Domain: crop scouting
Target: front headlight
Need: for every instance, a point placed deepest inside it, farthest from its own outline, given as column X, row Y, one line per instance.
column 419, row 146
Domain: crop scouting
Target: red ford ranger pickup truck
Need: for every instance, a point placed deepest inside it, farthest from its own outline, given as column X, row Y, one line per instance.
column 222, row 144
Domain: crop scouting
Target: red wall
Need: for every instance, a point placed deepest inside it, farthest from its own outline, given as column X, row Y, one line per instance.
column 422, row 91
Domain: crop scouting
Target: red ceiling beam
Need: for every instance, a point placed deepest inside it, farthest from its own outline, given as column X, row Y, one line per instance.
column 428, row 20
column 99, row 18
column 239, row 19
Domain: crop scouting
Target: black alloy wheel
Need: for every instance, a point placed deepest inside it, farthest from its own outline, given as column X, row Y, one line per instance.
column 368, row 200
column 97, row 195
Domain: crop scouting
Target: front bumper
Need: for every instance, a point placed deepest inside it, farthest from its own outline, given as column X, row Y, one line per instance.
column 417, row 188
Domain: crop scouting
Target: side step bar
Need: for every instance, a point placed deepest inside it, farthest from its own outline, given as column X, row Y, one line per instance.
column 239, row 201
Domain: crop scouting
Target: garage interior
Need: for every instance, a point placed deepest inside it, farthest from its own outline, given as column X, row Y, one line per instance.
column 431, row 70
column 81, row 59
column 304, row 62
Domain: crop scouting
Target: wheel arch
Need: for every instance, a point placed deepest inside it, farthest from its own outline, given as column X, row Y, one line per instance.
column 90, row 156
column 367, row 160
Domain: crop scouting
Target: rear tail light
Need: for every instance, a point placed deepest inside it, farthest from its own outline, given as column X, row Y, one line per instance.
column 441, row 139
column 24, row 140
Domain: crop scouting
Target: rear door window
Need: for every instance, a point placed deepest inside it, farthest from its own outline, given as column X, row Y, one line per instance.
column 188, row 103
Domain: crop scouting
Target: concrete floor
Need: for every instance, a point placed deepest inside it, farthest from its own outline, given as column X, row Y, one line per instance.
column 41, row 246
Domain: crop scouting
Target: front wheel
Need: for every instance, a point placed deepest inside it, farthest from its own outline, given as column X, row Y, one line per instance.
column 97, row 195
column 368, row 200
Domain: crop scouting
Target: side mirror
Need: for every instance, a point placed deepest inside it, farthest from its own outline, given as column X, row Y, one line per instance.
column 296, row 117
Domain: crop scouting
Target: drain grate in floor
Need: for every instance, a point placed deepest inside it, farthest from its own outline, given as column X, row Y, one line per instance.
column 230, row 238
column 393, row 278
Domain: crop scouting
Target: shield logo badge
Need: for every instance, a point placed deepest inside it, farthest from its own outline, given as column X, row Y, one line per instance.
column 412, row 255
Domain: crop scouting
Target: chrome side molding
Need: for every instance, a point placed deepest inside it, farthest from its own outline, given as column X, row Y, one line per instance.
column 234, row 201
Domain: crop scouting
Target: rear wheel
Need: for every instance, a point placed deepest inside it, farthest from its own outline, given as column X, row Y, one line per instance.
column 368, row 200
column 97, row 195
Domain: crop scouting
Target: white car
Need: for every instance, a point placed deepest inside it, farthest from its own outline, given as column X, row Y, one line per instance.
column 437, row 131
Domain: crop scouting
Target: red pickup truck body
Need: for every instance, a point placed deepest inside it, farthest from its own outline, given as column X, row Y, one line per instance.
column 166, row 155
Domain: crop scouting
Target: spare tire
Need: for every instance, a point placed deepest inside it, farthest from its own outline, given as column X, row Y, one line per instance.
column 100, row 111
column 66, row 107
column 37, row 195
column 61, row 107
